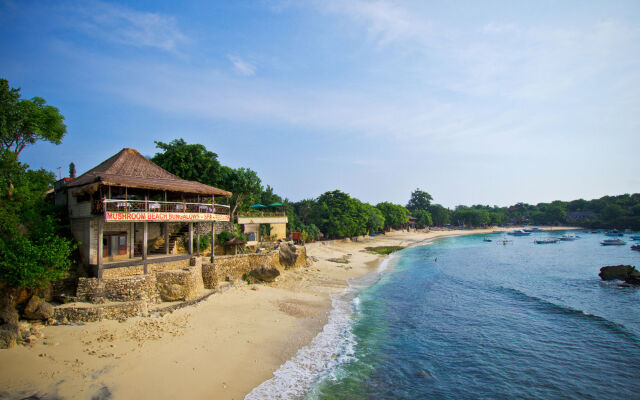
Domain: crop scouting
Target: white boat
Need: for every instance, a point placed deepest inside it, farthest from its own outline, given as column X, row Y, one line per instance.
column 545, row 241
column 519, row 232
column 613, row 242
column 567, row 238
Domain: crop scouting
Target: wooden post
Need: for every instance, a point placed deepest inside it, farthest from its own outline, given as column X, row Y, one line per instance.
column 190, row 238
column 198, row 238
column 145, row 236
column 100, row 239
column 213, row 241
column 166, row 238
column 132, row 240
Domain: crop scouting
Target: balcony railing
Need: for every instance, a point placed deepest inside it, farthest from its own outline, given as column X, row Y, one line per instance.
column 158, row 206
column 259, row 214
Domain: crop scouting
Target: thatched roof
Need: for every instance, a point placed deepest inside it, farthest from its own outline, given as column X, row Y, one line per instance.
column 129, row 168
column 234, row 241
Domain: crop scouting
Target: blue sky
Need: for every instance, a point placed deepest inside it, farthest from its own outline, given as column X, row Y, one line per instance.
column 491, row 102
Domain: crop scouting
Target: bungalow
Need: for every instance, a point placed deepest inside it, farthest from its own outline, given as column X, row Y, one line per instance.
column 129, row 212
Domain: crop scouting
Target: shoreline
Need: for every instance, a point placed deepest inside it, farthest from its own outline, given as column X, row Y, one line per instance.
column 221, row 348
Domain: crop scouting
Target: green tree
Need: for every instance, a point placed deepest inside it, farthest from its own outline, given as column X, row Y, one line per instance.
column 245, row 185
column 339, row 215
column 375, row 219
column 440, row 215
column 192, row 162
column 24, row 122
column 34, row 250
column 419, row 200
column 394, row 214
column 423, row 218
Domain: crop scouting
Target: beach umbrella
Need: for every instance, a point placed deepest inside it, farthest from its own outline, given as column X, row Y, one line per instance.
column 257, row 206
column 275, row 205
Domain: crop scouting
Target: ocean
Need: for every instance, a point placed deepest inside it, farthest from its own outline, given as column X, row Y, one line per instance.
column 484, row 320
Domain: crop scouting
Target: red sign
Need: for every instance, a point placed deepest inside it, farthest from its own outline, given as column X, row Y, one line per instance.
column 111, row 216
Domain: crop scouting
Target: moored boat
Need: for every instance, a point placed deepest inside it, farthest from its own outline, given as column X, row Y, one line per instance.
column 519, row 232
column 613, row 242
column 566, row 238
column 635, row 247
column 614, row 233
column 545, row 241
column 486, row 240
column 634, row 237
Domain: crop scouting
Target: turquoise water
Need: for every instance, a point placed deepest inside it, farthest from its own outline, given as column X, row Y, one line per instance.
column 486, row 320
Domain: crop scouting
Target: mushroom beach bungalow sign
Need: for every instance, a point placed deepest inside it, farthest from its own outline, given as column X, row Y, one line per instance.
column 163, row 216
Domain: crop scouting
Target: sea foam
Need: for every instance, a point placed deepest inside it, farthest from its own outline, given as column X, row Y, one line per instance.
column 334, row 346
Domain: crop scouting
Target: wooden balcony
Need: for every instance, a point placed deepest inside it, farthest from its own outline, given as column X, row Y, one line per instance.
column 159, row 211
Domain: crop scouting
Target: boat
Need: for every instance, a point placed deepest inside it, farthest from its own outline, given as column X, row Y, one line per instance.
column 519, row 232
column 613, row 242
column 545, row 241
column 635, row 247
column 614, row 233
column 634, row 237
column 532, row 229
column 595, row 231
column 566, row 238
column 486, row 240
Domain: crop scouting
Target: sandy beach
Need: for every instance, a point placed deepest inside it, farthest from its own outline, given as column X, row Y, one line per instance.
column 220, row 348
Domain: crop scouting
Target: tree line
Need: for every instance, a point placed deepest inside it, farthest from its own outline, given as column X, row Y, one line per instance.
column 36, row 246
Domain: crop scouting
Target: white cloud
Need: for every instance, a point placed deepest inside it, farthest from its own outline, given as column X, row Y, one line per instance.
column 241, row 66
column 385, row 21
column 123, row 25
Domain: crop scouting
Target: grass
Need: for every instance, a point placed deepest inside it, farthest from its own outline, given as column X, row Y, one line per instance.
column 384, row 250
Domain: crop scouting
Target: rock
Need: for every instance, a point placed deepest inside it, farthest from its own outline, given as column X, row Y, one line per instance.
column 171, row 292
column 288, row 254
column 626, row 273
column 38, row 309
column 265, row 274
column 8, row 313
column 8, row 335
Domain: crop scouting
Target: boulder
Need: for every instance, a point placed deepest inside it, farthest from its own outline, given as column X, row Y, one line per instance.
column 9, row 335
column 8, row 313
column 288, row 254
column 171, row 292
column 265, row 274
column 38, row 309
column 626, row 273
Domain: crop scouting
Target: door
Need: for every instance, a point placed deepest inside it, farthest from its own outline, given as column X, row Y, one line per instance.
column 114, row 244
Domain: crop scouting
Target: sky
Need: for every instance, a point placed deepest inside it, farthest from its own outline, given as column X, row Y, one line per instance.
column 475, row 102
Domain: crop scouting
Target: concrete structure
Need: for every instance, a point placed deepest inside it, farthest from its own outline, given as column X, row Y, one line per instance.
column 129, row 213
column 251, row 222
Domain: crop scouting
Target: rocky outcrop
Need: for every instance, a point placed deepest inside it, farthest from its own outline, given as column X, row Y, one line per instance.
column 265, row 273
column 38, row 309
column 288, row 254
column 626, row 273
column 9, row 335
column 9, row 329
column 180, row 285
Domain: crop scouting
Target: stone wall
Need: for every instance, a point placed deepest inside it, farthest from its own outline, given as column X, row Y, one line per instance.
column 129, row 288
column 172, row 281
column 231, row 268
column 185, row 284
column 92, row 313
column 139, row 269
